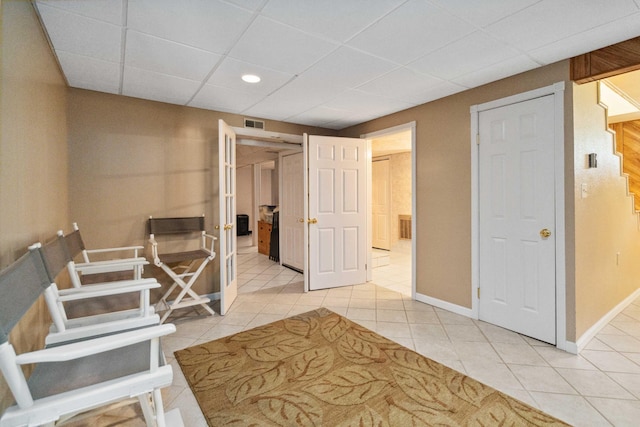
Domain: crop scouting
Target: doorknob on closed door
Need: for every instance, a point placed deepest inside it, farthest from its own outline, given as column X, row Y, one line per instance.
column 300, row 219
column 313, row 221
column 545, row 232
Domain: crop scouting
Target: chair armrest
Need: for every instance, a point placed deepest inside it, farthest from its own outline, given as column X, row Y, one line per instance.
column 106, row 289
column 213, row 240
column 110, row 265
column 135, row 250
column 98, row 345
column 154, row 250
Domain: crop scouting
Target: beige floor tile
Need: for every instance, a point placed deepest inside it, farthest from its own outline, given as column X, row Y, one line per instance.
column 594, row 383
column 464, row 332
column 575, row 410
column 544, row 379
column 397, row 316
column 496, row 375
column 394, row 330
column 521, row 354
column 422, row 317
column 562, row 359
column 617, row 412
column 611, row 361
column 631, row 382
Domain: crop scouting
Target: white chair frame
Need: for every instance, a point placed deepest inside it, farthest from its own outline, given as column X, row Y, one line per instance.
column 183, row 275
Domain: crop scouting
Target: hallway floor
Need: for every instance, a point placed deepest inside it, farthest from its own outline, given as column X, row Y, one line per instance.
column 599, row 387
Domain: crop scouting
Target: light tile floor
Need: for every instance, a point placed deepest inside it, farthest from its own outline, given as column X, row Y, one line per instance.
column 599, row 387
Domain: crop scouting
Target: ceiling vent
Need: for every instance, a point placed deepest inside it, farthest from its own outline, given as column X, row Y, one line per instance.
column 253, row 124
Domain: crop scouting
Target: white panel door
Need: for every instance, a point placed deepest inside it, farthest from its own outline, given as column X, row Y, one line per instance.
column 292, row 212
column 337, row 221
column 517, row 211
column 381, row 204
column 227, row 203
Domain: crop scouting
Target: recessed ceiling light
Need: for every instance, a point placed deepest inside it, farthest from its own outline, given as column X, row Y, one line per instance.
column 251, row 78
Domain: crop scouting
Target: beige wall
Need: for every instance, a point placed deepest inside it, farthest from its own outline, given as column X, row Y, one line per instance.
column 400, row 191
column 130, row 158
column 443, row 193
column 605, row 222
column 33, row 153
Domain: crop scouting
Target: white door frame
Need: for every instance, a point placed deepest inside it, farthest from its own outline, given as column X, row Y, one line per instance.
column 377, row 134
column 557, row 90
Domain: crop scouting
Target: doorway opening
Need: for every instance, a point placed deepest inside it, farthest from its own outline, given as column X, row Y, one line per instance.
column 392, row 208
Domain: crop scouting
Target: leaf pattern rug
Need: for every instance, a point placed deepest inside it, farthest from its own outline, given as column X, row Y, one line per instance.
column 320, row 369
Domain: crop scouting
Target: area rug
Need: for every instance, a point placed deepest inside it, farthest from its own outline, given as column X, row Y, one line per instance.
column 320, row 369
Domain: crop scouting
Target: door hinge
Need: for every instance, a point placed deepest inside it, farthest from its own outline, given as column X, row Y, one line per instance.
column 477, row 139
column 478, row 293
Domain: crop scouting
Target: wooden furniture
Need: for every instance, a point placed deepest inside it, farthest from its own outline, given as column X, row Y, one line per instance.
column 264, row 237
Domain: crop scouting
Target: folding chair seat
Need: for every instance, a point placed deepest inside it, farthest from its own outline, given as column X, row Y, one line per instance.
column 69, row 379
column 95, row 271
column 185, row 266
column 64, row 328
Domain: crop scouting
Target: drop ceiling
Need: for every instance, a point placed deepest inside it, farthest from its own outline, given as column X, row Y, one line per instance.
column 329, row 63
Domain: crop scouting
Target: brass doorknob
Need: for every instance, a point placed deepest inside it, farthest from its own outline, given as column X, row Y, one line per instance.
column 545, row 232
column 300, row 219
column 228, row 226
column 313, row 221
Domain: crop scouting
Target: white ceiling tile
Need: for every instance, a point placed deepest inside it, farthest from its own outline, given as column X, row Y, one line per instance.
column 81, row 35
column 166, row 57
column 347, row 68
column 250, row 5
column 284, row 104
column 319, row 116
column 402, row 83
column 108, row 11
column 157, row 87
column 207, row 24
column 441, row 90
column 485, row 12
column 97, row 86
column 229, row 74
column 335, row 19
column 605, row 35
column 224, row 99
column 316, row 91
column 550, row 20
column 358, row 102
column 411, row 31
column 280, row 47
column 497, row 71
column 477, row 50
column 90, row 73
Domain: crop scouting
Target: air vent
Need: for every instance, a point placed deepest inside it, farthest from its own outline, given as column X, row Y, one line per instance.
column 254, row 124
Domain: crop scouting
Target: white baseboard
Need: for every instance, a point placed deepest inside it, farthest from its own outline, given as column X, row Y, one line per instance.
column 597, row 327
column 454, row 308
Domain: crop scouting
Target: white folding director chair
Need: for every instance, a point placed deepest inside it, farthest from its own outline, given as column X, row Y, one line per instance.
column 56, row 259
column 131, row 266
column 183, row 267
column 70, row 379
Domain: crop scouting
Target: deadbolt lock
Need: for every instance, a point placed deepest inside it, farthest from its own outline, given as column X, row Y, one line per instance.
column 545, row 232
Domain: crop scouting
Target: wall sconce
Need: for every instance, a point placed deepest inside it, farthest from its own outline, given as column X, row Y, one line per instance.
column 593, row 160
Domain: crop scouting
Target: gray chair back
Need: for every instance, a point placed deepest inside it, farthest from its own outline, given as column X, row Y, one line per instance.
column 21, row 284
column 55, row 256
column 176, row 225
column 74, row 243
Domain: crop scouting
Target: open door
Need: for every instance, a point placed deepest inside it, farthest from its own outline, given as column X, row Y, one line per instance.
column 292, row 211
column 336, row 212
column 227, row 194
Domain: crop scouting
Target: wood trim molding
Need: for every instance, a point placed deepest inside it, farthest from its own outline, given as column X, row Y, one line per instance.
column 606, row 62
